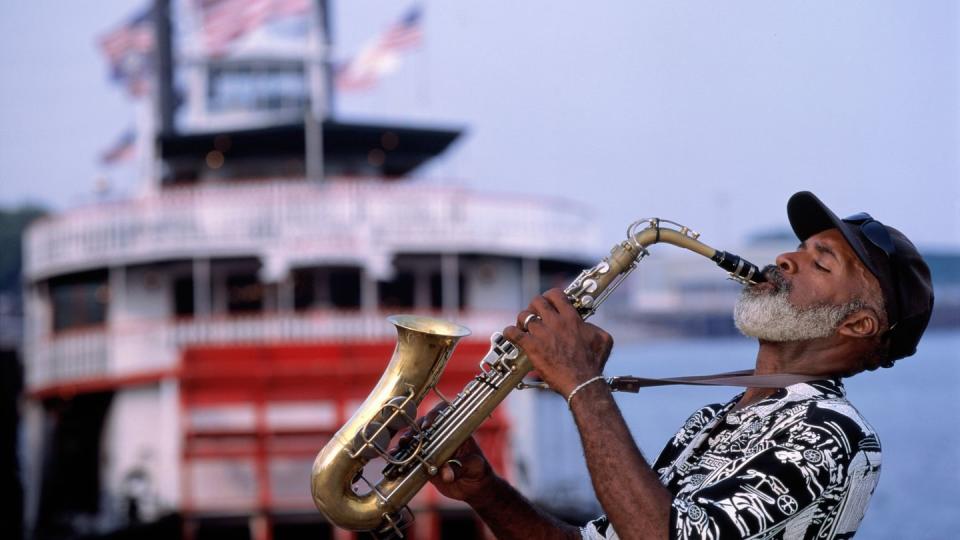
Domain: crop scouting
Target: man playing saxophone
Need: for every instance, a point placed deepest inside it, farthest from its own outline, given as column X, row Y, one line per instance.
column 794, row 462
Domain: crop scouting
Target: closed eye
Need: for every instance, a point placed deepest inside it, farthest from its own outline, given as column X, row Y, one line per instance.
column 821, row 267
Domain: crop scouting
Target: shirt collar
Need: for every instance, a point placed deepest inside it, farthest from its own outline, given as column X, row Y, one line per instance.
column 819, row 389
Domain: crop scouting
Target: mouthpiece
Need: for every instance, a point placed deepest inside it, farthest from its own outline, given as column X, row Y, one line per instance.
column 740, row 269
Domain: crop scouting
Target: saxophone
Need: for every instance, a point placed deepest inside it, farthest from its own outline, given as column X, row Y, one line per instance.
column 340, row 490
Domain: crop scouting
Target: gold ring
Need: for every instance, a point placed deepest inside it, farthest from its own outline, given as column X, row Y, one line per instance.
column 527, row 319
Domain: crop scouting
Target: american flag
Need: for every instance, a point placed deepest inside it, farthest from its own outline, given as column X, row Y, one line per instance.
column 122, row 149
column 225, row 21
column 129, row 49
column 382, row 55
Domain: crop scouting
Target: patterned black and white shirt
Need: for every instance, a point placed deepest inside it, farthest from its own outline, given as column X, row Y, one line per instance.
column 802, row 463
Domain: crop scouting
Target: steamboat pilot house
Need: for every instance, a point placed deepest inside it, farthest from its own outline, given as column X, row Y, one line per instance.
column 190, row 349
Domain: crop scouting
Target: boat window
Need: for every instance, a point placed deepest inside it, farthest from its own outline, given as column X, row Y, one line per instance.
column 305, row 289
column 183, row 296
column 79, row 300
column 398, row 292
column 345, row 288
column 244, row 293
column 256, row 86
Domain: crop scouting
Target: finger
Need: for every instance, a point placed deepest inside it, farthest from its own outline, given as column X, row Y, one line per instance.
column 474, row 467
column 559, row 302
column 538, row 331
column 428, row 419
column 515, row 336
column 543, row 308
column 447, row 474
column 437, row 409
column 525, row 318
column 404, row 438
column 467, row 467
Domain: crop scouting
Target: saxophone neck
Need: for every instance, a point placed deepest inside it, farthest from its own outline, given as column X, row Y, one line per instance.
column 739, row 269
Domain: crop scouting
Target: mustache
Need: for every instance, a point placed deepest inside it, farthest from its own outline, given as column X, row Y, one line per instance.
column 775, row 276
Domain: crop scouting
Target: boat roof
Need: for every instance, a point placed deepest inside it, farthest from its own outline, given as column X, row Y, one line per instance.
column 347, row 146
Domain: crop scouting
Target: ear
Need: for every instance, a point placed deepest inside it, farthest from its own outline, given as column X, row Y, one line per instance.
column 860, row 324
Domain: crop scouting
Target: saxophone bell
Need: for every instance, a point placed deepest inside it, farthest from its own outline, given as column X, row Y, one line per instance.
column 424, row 346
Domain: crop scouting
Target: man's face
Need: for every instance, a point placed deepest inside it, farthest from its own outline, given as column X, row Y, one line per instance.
column 810, row 291
column 823, row 270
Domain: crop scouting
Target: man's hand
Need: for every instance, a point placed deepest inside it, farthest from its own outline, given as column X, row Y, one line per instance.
column 467, row 475
column 468, row 482
column 567, row 351
column 564, row 349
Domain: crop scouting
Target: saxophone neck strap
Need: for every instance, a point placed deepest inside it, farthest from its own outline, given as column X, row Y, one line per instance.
column 744, row 378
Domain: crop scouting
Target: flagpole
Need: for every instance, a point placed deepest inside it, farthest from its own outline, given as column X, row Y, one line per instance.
column 164, row 67
column 157, row 116
column 318, row 91
column 326, row 66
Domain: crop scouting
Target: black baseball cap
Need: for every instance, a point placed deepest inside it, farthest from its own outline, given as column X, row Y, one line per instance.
column 902, row 273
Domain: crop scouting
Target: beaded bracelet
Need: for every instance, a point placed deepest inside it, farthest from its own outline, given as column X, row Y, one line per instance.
column 580, row 387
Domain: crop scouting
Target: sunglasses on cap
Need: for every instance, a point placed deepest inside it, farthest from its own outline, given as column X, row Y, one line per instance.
column 874, row 231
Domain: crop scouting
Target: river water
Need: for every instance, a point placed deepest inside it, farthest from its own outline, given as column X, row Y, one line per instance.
column 912, row 406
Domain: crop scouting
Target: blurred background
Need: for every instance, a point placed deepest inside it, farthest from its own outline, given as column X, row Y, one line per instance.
column 209, row 207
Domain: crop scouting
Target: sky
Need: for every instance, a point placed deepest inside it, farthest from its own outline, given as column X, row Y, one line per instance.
column 706, row 113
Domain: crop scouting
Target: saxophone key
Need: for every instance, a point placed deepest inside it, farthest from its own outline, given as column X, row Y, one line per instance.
column 398, row 413
column 373, row 440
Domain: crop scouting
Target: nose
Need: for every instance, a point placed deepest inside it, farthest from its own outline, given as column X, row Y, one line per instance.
column 787, row 263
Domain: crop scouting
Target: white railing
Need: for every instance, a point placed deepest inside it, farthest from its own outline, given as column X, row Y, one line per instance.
column 288, row 220
column 132, row 349
column 75, row 356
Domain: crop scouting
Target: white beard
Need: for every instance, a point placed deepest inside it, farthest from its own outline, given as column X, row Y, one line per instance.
column 769, row 316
